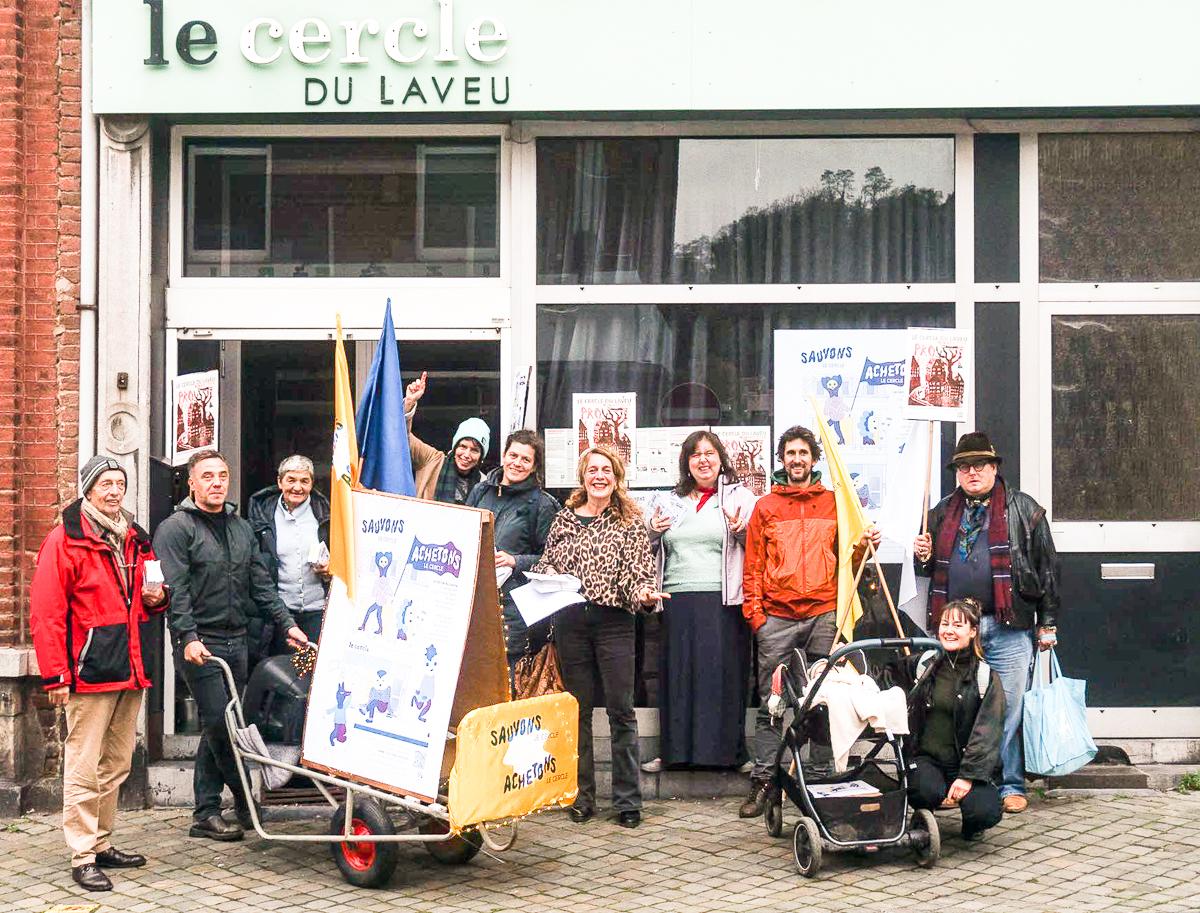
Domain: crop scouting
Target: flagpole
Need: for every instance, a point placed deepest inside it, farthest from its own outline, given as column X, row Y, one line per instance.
column 841, row 635
column 928, row 473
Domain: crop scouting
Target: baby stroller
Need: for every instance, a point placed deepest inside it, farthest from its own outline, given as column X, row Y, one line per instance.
column 865, row 807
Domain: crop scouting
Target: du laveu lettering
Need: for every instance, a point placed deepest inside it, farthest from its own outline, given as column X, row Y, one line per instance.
column 311, row 41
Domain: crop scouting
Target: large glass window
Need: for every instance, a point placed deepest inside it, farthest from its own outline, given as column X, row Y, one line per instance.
column 343, row 208
column 689, row 364
column 719, row 211
column 1119, row 207
column 1126, row 417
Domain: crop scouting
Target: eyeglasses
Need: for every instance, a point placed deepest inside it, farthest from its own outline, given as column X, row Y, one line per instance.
column 973, row 466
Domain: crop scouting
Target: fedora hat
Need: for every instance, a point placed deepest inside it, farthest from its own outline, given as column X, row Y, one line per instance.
column 974, row 445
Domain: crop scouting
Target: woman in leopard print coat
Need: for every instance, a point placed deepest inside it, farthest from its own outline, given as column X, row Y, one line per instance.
column 600, row 538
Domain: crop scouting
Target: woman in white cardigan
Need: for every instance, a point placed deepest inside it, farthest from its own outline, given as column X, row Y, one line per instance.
column 698, row 531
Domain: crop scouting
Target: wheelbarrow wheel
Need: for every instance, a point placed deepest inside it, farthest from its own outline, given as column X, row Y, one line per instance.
column 773, row 812
column 926, row 838
column 364, row 864
column 458, row 850
column 806, row 848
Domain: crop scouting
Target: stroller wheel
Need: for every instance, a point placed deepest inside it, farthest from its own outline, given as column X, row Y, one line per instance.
column 773, row 813
column 806, row 848
column 926, row 839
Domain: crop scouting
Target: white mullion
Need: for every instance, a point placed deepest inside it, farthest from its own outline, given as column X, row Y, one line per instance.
column 964, row 250
column 1034, row 384
column 175, row 195
column 916, row 293
column 1156, row 293
column 524, row 281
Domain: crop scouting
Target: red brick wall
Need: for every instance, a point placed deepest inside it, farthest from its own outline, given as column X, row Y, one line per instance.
column 39, row 286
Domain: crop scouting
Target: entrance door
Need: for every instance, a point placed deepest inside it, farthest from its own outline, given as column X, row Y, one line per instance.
column 276, row 399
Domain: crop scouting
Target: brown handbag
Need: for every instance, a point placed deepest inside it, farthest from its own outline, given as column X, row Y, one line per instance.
column 537, row 673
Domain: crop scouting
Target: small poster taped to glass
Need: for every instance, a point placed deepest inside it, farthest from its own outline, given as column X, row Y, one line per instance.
column 607, row 419
column 938, row 376
column 194, row 397
column 749, row 450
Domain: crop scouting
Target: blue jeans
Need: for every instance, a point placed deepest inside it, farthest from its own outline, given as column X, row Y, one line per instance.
column 1009, row 651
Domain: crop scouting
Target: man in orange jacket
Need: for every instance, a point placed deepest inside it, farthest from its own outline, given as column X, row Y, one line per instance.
column 90, row 594
column 790, row 586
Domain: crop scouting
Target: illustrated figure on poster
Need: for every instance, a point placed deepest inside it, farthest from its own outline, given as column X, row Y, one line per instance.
column 379, row 698
column 404, row 620
column 339, row 716
column 835, row 408
column 380, row 592
column 422, row 697
column 937, row 378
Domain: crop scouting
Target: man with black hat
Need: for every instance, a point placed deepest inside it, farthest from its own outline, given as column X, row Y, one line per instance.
column 91, row 591
column 992, row 543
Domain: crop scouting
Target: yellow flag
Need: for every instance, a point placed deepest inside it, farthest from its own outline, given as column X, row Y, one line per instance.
column 514, row 758
column 851, row 521
column 345, row 471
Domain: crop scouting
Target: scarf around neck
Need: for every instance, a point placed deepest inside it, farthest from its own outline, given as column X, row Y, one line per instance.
column 962, row 520
column 113, row 532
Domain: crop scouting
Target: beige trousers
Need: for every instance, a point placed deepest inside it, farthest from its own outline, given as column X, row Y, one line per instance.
column 101, row 729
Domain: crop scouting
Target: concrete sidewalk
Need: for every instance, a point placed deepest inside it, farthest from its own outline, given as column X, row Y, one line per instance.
column 1075, row 853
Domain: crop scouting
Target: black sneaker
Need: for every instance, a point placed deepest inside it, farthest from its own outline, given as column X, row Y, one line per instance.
column 757, row 800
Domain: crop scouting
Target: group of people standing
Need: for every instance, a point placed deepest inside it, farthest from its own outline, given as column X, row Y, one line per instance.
column 729, row 573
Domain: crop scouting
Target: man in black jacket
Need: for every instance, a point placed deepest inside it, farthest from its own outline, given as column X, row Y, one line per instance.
column 218, row 579
column 992, row 543
column 291, row 521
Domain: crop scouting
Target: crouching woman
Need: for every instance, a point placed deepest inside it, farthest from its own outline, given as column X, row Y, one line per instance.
column 956, row 717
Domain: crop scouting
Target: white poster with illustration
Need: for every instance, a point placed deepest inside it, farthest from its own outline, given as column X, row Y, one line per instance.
column 194, row 401
column 749, row 450
column 857, row 378
column 657, row 462
column 389, row 659
column 562, row 457
column 608, row 419
column 939, row 369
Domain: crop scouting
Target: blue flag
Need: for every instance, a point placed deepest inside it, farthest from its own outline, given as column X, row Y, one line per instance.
column 382, row 431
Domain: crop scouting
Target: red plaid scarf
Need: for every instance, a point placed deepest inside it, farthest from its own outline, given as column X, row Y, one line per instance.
column 998, row 552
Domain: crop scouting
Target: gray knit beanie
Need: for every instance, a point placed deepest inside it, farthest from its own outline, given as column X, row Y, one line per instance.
column 94, row 468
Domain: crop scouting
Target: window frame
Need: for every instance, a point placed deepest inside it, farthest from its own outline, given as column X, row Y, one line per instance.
column 225, row 254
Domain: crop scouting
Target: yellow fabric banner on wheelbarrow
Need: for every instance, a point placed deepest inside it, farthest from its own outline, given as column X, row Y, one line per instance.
column 515, row 758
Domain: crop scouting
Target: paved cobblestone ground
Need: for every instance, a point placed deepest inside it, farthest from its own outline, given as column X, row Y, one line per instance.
column 1067, row 854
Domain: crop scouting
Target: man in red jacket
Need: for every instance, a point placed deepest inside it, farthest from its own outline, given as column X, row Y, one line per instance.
column 790, row 586
column 89, row 595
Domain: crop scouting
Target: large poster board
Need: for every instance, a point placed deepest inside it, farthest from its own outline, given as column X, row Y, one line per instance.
column 857, row 378
column 195, row 411
column 388, row 668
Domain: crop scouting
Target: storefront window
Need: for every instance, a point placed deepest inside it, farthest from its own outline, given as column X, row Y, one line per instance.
column 721, row 211
column 1119, row 207
column 343, row 208
column 689, row 364
column 1126, row 417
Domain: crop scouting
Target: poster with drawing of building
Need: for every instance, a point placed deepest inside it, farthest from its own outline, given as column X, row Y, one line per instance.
column 939, row 370
column 608, row 419
column 195, row 405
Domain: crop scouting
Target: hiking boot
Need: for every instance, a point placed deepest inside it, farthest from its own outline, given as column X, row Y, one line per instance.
column 756, row 801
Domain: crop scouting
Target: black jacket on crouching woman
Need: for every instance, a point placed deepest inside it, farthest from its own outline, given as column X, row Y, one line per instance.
column 978, row 720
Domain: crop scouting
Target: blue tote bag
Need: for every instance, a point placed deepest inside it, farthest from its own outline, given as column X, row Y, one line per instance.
column 1054, row 720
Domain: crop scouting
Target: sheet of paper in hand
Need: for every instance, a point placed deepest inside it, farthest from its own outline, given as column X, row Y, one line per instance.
column 546, row 594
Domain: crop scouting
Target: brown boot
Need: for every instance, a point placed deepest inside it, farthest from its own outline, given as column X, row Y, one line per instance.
column 756, row 801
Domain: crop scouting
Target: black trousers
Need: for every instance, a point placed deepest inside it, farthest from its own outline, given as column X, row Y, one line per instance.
column 215, row 765
column 593, row 640
column 929, row 781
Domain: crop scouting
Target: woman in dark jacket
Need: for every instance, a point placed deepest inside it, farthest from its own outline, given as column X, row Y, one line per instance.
column 523, row 512
column 956, row 717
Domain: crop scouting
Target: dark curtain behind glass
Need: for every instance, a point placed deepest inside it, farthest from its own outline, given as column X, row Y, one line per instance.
column 655, row 349
column 607, row 208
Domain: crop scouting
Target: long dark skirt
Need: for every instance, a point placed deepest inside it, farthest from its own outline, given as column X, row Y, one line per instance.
column 704, row 665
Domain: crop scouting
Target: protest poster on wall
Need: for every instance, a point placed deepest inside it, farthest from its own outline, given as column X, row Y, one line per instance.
column 939, row 370
column 657, row 461
column 389, row 660
column 858, row 380
column 196, row 410
column 749, row 449
column 607, row 419
column 562, row 457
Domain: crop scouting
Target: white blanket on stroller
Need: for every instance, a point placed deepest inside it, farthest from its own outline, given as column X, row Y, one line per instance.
column 855, row 702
